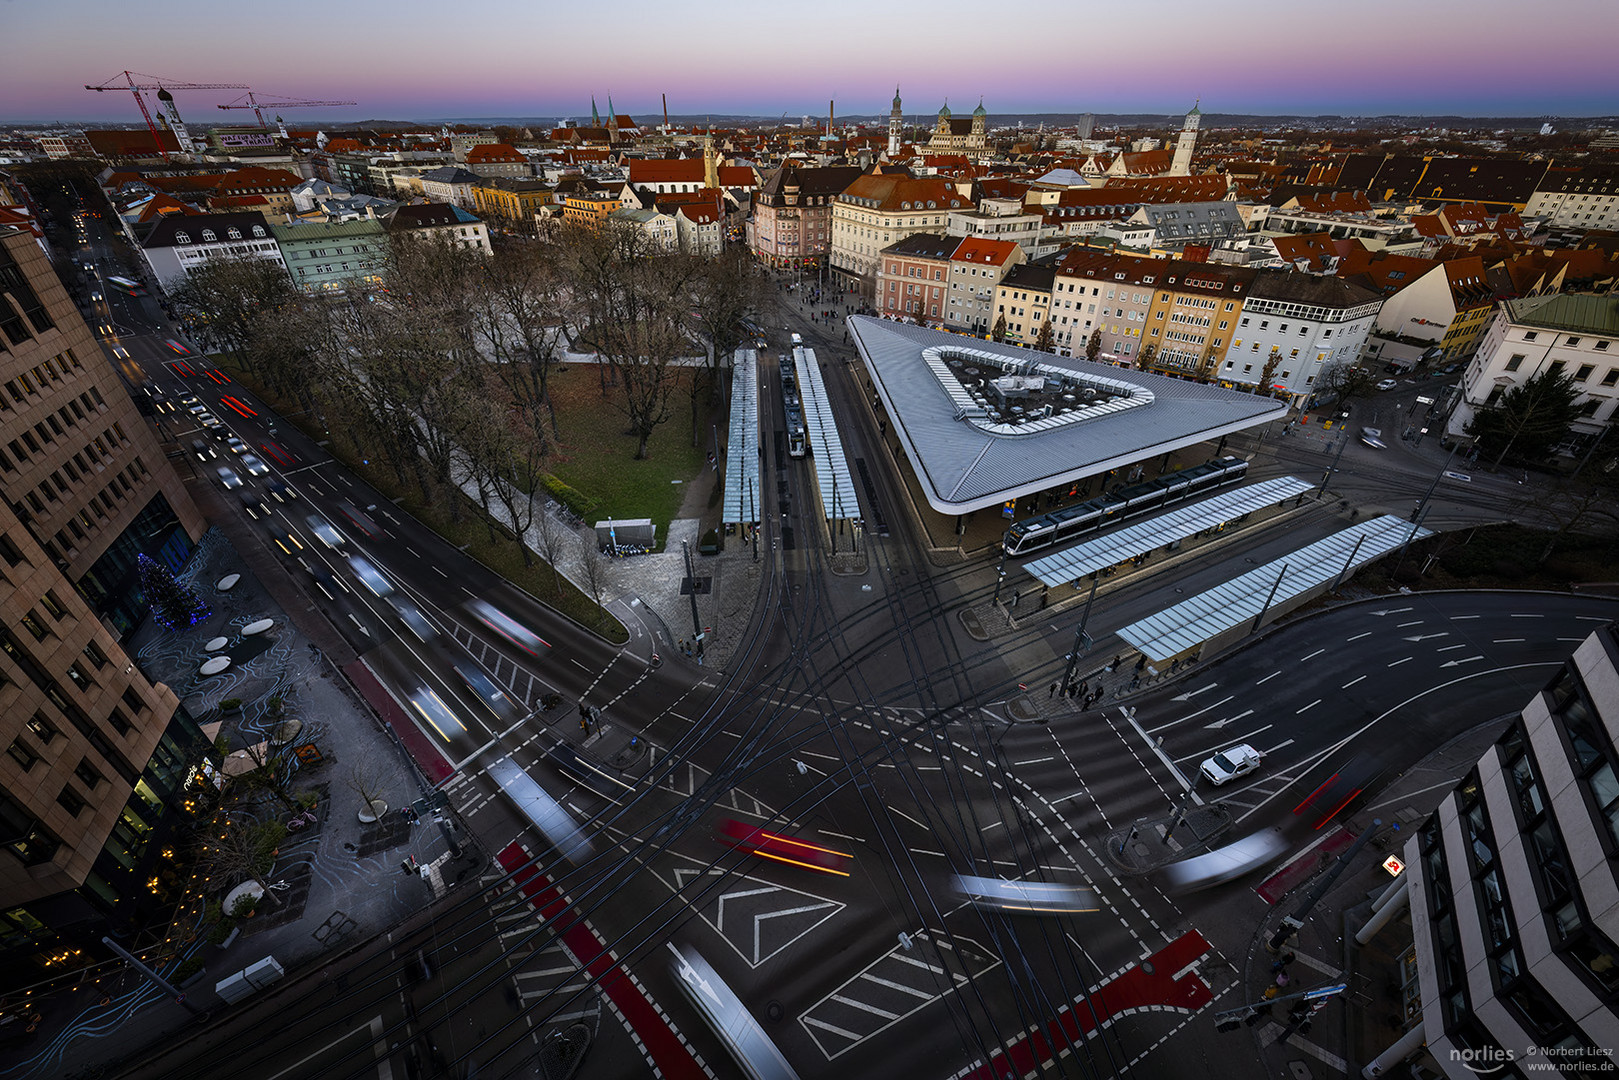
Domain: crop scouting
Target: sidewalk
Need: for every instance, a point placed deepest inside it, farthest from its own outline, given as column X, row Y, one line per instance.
column 343, row 881
column 1370, row 1015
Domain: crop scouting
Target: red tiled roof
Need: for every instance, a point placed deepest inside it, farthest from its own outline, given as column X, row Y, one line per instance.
column 898, row 193
column 494, row 153
column 733, row 176
column 699, row 213
column 660, row 171
column 984, row 251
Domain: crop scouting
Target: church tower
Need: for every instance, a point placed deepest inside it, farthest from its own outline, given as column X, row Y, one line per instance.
column 896, row 121
column 711, row 163
column 1182, row 165
column 612, row 121
column 979, row 117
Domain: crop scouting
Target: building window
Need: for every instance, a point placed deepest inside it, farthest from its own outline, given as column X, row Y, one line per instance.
column 42, row 728
column 87, row 774
column 33, row 625
column 69, row 801
column 1515, row 362
column 1584, row 372
column 22, row 754
column 79, row 677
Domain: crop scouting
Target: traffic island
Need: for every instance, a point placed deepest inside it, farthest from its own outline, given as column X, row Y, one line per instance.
column 1146, row 845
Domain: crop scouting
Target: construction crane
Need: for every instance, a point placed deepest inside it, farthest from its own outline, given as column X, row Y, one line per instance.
column 290, row 103
column 163, row 86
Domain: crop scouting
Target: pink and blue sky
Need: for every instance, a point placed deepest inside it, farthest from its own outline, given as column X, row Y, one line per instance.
column 510, row 58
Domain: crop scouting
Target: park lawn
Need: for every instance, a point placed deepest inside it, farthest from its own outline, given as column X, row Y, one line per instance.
column 597, row 453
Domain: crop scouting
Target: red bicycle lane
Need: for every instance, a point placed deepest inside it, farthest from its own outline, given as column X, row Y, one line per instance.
column 665, row 1048
column 1151, row 983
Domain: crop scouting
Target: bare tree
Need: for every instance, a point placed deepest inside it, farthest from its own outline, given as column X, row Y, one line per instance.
column 727, row 289
column 633, row 298
column 519, row 317
column 1344, row 383
column 223, row 297
column 551, row 534
column 371, row 778
column 594, row 572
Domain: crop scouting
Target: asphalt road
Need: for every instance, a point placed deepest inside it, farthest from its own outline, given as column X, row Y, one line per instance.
column 859, row 716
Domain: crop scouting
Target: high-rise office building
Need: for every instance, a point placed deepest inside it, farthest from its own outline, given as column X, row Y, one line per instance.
column 97, row 757
column 1514, row 891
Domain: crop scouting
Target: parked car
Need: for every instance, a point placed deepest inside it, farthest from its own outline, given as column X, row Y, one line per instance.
column 1227, row 765
column 1388, row 384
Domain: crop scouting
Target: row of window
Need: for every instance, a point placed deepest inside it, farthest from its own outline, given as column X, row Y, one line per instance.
column 210, row 237
column 51, row 427
column 104, row 504
column 55, row 486
column 37, row 378
column 1581, row 374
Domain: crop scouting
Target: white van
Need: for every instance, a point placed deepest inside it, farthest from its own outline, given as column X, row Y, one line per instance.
column 797, row 341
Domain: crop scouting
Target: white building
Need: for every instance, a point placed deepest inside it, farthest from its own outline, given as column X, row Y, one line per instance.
column 1297, row 326
column 179, row 242
column 1182, row 165
column 1511, row 885
column 1584, row 198
column 1574, row 333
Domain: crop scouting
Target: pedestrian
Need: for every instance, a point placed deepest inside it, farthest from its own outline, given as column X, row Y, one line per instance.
column 1086, row 704
column 1271, row 992
column 1142, row 662
column 1114, row 663
column 1282, row 979
column 1052, row 692
column 1016, row 595
column 1135, row 682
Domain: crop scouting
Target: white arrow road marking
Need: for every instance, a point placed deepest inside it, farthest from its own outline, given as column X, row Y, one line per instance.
column 1390, row 611
column 1465, row 660
column 1425, row 637
column 1218, row 724
column 1194, row 693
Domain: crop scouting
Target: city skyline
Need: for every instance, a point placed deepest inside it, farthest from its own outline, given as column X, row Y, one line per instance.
column 396, row 66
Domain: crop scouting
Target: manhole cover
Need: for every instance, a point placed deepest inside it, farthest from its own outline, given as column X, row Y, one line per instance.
column 774, row 1010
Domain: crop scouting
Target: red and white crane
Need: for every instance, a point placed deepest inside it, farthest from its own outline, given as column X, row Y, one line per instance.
column 256, row 105
column 164, row 95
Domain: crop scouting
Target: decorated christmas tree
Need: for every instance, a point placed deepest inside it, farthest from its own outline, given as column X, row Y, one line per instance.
column 173, row 605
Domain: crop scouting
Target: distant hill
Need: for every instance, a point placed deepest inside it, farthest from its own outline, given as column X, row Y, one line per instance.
column 1050, row 120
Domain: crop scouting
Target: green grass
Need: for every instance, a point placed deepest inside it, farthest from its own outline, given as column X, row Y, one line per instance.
column 597, row 454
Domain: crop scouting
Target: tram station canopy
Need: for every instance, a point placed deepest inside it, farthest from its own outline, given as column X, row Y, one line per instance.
column 1067, row 566
column 741, row 505
column 983, row 423
column 1193, row 621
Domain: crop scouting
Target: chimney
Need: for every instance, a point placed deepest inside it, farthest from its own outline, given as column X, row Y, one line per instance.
column 831, row 115
column 666, row 114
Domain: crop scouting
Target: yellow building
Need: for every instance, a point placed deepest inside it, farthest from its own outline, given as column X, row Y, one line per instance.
column 1194, row 309
column 589, row 207
column 510, row 200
